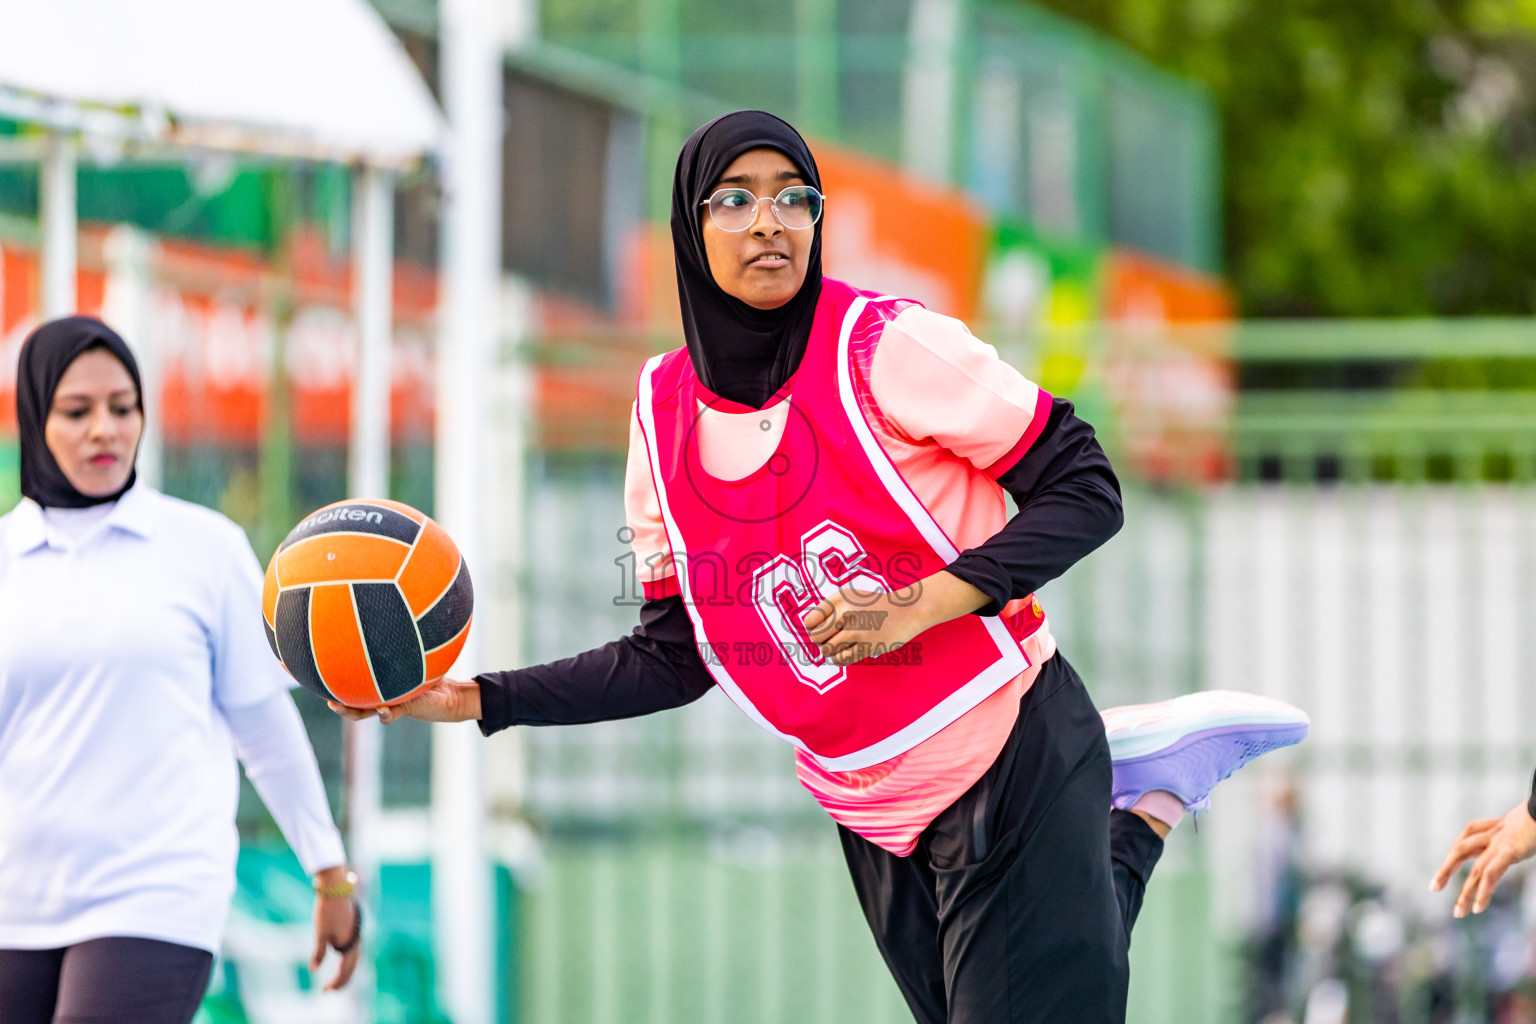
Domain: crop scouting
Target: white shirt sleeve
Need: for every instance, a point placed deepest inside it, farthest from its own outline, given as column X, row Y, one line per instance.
column 250, row 688
column 270, row 741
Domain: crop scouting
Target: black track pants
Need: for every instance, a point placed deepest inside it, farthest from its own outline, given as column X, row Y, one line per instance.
column 1017, row 905
column 124, row 981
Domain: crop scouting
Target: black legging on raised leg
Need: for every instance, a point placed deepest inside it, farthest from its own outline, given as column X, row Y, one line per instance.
column 1017, row 905
column 122, row 980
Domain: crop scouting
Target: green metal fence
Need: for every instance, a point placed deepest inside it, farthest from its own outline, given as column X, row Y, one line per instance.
column 1036, row 117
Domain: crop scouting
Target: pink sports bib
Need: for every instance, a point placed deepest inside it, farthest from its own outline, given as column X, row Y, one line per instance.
column 827, row 510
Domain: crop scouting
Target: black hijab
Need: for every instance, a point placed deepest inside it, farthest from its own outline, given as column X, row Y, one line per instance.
column 45, row 356
column 738, row 351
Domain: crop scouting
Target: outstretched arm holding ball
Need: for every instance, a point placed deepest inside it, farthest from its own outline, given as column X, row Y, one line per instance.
column 655, row 668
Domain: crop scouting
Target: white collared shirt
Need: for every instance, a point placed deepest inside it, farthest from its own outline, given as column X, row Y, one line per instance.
column 124, row 649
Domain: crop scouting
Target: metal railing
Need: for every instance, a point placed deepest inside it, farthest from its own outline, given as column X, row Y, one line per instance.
column 1411, row 400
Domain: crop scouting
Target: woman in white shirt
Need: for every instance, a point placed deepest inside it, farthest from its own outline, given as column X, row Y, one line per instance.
column 133, row 668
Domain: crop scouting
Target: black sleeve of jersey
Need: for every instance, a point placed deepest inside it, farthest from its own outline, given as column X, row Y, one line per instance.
column 1069, row 504
column 655, row 668
column 1530, row 805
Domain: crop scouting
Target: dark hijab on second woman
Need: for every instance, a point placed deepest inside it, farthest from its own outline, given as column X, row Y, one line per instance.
column 739, row 352
column 45, row 356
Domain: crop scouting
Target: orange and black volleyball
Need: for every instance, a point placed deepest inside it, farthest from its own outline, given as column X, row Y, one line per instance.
column 366, row 602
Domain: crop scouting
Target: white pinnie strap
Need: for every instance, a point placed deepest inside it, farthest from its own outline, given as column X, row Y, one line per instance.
column 645, row 407
column 895, row 485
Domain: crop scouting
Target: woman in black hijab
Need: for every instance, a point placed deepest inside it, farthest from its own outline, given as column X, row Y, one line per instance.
column 48, row 353
column 132, row 669
column 817, row 448
column 765, row 344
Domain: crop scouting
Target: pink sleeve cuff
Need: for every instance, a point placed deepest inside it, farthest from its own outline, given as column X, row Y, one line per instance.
column 661, row 588
column 1162, row 805
column 1011, row 457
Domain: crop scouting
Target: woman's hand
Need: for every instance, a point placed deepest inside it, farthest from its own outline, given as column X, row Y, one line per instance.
column 447, row 700
column 337, row 926
column 858, row 624
column 1498, row 844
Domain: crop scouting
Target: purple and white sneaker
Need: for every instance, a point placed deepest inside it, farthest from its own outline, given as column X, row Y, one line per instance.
column 1186, row 745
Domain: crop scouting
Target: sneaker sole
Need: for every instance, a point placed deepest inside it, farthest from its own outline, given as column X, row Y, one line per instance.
column 1201, row 754
column 1191, row 720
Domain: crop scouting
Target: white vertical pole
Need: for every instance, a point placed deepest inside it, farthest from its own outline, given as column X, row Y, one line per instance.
column 373, row 296
column 59, row 226
column 125, row 307
column 502, row 607
column 472, row 93
column 928, row 89
column 373, row 233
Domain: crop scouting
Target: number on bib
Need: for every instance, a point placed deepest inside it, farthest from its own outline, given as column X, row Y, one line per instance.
column 785, row 589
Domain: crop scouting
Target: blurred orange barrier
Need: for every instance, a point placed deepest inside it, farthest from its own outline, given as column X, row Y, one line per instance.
column 1167, row 368
column 211, row 314
column 891, row 233
column 1141, row 289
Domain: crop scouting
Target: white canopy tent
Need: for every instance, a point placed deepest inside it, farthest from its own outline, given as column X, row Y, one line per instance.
column 323, row 79
column 309, row 79
column 320, row 79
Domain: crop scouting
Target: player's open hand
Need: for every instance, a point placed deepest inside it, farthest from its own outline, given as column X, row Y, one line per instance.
column 856, row 624
column 1497, row 844
column 447, row 700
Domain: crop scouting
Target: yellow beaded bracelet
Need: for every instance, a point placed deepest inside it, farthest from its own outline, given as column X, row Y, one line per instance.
column 337, row 890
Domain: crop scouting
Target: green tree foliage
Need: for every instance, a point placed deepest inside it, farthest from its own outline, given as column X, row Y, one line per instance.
column 1380, row 155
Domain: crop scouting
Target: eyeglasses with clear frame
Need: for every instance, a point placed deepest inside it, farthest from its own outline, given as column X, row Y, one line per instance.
column 734, row 209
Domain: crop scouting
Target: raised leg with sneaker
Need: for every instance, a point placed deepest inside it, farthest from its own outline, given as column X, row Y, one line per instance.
column 1036, row 866
column 1168, row 756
